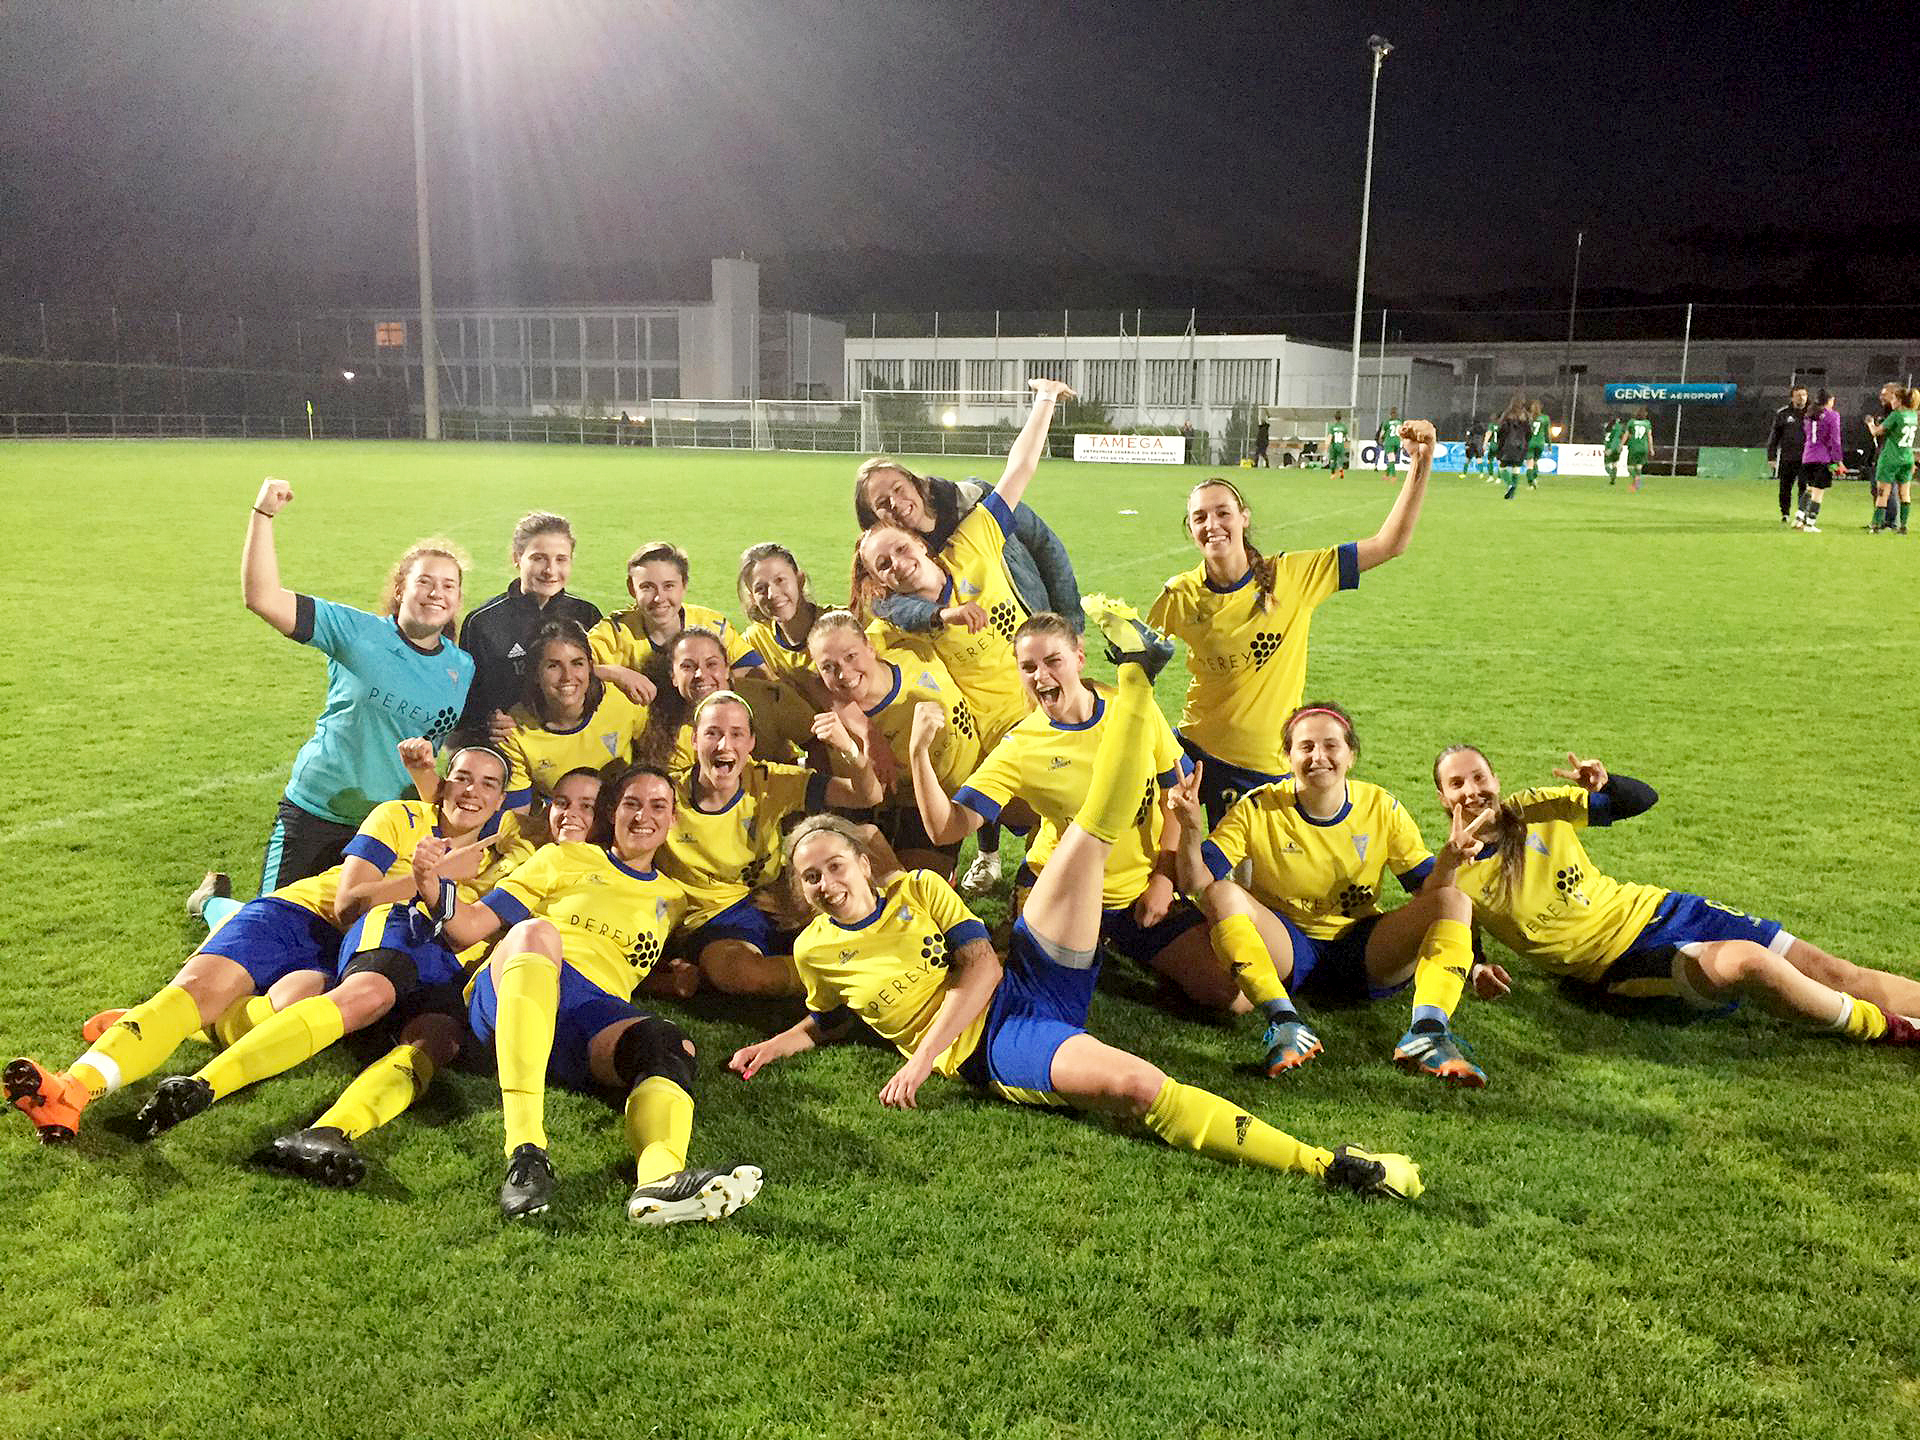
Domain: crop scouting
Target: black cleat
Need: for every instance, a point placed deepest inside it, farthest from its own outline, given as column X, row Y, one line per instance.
column 1130, row 640
column 693, row 1195
column 1367, row 1173
column 180, row 1097
column 322, row 1154
column 528, row 1188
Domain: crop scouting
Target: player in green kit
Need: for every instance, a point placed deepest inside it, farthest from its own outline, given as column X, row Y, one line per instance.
column 1639, row 444
column 1490, row 445
column 1539, row 430
column 1893, row 473
column 1337, row 444
column 1616, row 437
column 1388, row 438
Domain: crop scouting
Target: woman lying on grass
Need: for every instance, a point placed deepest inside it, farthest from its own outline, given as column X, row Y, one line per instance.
column 904, row 954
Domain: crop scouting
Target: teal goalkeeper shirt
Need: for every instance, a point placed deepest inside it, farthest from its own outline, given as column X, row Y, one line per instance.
column 381, row 689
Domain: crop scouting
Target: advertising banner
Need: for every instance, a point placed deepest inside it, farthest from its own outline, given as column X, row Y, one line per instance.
column 1132, row 449
column 1659, row 392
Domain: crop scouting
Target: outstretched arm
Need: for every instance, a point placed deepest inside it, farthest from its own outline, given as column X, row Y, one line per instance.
column 260, row 583
column 1396, row 532
column 974, row 972
column 750, row 1060
column 1031, row 443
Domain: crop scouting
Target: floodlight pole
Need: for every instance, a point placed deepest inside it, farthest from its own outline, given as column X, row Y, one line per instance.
column 429, row 347
column 1573, row 302
column 1381, row 49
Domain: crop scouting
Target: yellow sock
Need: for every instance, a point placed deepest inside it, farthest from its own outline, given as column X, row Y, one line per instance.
column 1195, row 1119
column 529, row 989
column 380, row 1092
column 138, row 1043
column 241, row 1017
column 277, row 1043
column 1440, row 974
column 1864, row 1020
column 659, row 1127
column 1236, row 940
column 1123, row 764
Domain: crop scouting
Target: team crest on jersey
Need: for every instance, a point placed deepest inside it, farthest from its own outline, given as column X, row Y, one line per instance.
column 1534, row 842
column 660, row 912
column 612, row 742
column 1360, row 846
column 517, row 652
column 906, row 916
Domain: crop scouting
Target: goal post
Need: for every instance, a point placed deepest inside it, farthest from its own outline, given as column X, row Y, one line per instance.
column 941, row 422
column 755, row 424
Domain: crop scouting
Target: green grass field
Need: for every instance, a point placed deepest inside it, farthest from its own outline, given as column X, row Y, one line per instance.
column 1642, row 1226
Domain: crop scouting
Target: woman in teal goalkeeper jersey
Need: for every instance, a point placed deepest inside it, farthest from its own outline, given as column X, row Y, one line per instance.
column 1893, row 471
column 389, row 677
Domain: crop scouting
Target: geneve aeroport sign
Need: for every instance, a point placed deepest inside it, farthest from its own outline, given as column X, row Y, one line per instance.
column 1659, row 392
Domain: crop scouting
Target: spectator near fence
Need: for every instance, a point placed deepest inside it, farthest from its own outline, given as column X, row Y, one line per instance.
column 1785, row 444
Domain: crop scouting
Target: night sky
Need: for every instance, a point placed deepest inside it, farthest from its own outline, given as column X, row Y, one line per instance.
column 176, row 149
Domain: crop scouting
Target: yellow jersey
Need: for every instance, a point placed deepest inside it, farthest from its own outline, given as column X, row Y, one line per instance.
column 1248, row 663
column 1562, row 914
column 785, row 663
column 386, row 840
column 782, row 725
column 891, row 968
column 613, row 920
column 1321, row 874
column 981, row 662
column 537, row 755
column 720, row 857
column 621, row 638
column 956, row 749
column 1050, row 767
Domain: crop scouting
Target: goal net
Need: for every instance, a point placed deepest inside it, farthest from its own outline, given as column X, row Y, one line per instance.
column 941, row 422
column 756, row 424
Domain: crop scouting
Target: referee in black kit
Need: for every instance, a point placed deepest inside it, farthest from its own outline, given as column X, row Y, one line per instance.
column 1783, row 448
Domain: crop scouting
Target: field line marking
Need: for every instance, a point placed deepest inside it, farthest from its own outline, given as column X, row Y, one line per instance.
column 130, row 807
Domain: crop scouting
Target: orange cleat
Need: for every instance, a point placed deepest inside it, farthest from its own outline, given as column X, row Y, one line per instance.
column 98, row 1025
column 52, row 1099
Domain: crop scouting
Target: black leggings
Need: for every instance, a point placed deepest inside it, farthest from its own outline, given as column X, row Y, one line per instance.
column 1789, row 476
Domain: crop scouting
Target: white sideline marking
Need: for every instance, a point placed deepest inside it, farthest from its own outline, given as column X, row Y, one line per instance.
column 130, row 807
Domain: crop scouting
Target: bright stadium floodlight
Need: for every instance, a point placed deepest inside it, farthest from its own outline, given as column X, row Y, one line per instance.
column 346, row 374
column 950, row 418
column 1381, row 49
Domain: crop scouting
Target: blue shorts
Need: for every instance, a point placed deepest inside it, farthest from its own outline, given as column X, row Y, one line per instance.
column 405, row 930
column 742, row 920
column 1124, row 935
column 1334, row 972
column 1651, row 965
column 271, row 939
column 1039, row 1005
column 585, row 1010
column 1221, row 783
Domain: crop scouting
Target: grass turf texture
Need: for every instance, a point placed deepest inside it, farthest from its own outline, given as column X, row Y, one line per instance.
column 1642, row 1226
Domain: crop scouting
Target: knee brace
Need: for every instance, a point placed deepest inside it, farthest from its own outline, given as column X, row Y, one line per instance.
column 652, row 1046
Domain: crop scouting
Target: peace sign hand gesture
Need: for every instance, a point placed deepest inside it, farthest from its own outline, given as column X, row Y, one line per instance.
column 1590, row 775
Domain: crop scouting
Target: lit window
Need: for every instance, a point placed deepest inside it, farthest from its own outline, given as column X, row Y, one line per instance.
column 390, row 334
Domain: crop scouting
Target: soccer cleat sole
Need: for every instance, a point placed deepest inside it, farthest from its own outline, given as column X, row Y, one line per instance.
column 179, row 1098
column 1287, row 1064
column 311, row 1157
column 1129, row 639
column 215, row 883
column 25, row 1084
column 1459, row 1073
column 724, row 1193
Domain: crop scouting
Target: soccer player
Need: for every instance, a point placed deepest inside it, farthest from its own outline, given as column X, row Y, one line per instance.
column 623, row 643
column 978, row 604
column 278, row 947
column 1319, row 845
column 389, row 677
column 499, row 632
column 1514, row 429
column 1491, row 444
column 1244, row 617
column 778, row 599
column 1534, row 887
column 1893, row 471
column 886, row 690
column 908, row 957
column 1785, row 444
column 725, row 843
column 1046, row 761
column 567, row 717
column 1388, row 438
column 1639, row 445
column 1472, row 446
column 692, row 666
column 390, row 962
column 1262, row 434
column 1539, row 433
column 1337, row 444
column 1821, row 457
column 1616, row 437
column 585, row 923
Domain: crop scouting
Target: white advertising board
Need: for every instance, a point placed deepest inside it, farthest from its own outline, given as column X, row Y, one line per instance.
column 1132, row 449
